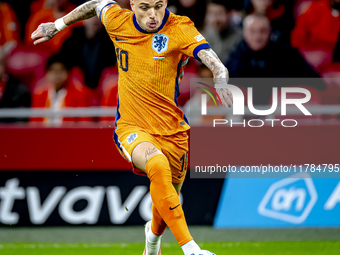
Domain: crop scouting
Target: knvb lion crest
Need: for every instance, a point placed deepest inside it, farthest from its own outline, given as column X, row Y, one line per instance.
column 160, row 43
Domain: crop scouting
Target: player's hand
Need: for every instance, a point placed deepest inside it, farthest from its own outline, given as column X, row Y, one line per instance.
column 45, row 32
column 226, row 97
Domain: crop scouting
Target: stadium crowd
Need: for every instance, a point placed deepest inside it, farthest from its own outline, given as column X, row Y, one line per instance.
column 254, row 38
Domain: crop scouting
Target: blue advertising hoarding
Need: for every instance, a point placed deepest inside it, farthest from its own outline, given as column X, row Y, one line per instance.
column 298, row 201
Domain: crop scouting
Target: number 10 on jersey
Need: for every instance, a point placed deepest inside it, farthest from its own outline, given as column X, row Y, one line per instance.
column 123, row 59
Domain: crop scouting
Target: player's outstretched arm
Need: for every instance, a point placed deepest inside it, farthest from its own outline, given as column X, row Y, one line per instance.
column 220, row 72
column 46, row 31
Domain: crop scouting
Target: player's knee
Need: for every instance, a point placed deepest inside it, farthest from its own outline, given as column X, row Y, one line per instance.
column 161, row 187
column 158, row 169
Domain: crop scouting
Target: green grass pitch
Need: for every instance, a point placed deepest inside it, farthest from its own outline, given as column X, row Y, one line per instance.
column 220, row 248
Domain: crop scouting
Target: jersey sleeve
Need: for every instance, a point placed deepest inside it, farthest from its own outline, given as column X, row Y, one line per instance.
column 110, row 16
column 190, row 40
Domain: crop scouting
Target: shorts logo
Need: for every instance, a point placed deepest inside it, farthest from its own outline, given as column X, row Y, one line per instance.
column 131, row 138
column 199, row 38
column 160, row 43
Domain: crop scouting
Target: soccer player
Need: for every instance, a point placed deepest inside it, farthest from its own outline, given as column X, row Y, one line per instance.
column 152, row 48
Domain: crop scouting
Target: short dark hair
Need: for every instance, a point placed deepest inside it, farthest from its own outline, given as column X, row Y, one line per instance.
column 57, row 59
column 228, row 4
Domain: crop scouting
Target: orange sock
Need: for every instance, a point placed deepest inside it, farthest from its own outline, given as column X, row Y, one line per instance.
column 165, row 198
column 158, row 225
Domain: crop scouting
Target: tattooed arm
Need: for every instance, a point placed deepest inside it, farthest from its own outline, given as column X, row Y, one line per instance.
column 220, row 72
column 47, row 31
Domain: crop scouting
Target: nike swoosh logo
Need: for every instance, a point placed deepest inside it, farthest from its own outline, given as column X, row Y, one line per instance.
column 119, row 40
column 179, row 177
column 172, row 208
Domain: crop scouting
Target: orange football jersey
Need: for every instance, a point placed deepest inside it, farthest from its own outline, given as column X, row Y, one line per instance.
column 151, row 67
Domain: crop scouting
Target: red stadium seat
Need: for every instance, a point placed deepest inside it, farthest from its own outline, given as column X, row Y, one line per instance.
column 108, row 79
column 27, row 64
column 108, row 86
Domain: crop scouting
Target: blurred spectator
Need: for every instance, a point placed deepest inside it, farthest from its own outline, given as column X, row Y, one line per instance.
column 336, row 55
column 280, row 15
column 194, row 9
column 27, row 63
column 219, row 31
column 91, row 49
column 38, row 5
column 22, row 11
column 13, row 94
column 257, row 56
column 60, row 91
column 60, row 8
column 25, row 8
column 316, row 32
column 9, row 28
column 318, row 27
